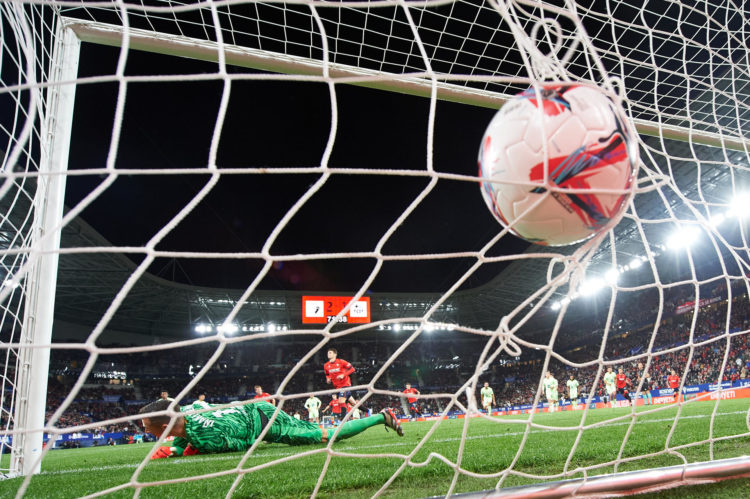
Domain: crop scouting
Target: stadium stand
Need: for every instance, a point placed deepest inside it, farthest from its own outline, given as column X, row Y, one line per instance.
column 120, row 384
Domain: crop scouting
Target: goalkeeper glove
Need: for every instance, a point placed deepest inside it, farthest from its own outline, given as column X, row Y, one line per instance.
column 190, row 450
column 162, row 453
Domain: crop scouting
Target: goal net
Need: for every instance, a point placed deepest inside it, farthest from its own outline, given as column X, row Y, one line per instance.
column 203, row 196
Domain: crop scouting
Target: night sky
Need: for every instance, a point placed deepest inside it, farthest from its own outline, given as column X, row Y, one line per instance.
column 281, row 124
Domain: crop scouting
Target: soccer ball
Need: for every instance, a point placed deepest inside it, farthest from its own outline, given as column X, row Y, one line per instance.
column 590, row 147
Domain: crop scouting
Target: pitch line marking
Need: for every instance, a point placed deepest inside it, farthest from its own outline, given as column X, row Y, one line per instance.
column 234, row 457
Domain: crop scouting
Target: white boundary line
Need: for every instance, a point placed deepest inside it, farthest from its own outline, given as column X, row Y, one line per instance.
column 350, row 447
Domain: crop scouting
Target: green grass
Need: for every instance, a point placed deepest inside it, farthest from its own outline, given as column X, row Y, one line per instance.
column 490, row 448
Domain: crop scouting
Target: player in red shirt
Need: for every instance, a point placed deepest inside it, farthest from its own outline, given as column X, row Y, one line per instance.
column 260, row 394
column 335, row 406
column 622, row 382
column 413, row 408
column 674, row 383
column 337, row 373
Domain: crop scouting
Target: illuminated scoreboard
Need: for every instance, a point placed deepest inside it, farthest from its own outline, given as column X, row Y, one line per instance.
column 323, row 309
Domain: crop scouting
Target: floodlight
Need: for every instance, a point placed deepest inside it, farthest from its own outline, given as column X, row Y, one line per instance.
column 635, row 263
column 683, row 237
column 556, row 306
column 740, row 205
column 203, row 328
column 228, row 328
column 590, row 286
column 612, row 275
column 271, row 327
column 717, row 219
column 397, row 327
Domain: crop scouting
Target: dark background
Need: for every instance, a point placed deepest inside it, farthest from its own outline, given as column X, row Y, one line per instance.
column 274, row 124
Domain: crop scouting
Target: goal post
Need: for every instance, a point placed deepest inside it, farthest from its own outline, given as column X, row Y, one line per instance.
column 433, row 40
column 40, row 270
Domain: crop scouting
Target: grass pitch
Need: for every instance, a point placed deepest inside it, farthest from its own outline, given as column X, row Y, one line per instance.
column 553, row 451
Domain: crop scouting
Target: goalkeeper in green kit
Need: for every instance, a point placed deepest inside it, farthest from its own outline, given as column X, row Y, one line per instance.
column 236, row 428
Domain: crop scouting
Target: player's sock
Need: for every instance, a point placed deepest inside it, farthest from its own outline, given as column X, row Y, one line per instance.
column 356, row 426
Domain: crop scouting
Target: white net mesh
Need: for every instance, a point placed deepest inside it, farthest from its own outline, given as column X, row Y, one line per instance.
column 222, row 165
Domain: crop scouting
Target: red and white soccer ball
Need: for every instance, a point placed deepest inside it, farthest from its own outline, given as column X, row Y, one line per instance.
column 590, row 147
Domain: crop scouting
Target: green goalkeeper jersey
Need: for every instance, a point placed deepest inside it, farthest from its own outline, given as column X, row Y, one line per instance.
column 222, row 430
column 236, row 428
column 179, row 443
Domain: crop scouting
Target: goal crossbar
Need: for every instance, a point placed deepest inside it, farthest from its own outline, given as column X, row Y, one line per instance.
column 262, row 60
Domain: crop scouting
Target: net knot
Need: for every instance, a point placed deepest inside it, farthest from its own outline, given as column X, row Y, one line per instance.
column 505, row 336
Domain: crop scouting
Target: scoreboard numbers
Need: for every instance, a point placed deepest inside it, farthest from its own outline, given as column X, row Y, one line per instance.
column 324, row 309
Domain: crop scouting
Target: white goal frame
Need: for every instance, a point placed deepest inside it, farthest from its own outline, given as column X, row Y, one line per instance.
column 41, row 267
column 413, row 84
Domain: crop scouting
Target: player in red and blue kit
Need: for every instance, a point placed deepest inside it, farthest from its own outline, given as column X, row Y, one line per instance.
column 674, row 383
column 337, row 373
column 260, row 394
column 335, row 406
column 413, row 408
column 622, row 382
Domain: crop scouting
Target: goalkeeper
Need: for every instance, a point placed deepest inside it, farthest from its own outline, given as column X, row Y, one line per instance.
column 237, row 428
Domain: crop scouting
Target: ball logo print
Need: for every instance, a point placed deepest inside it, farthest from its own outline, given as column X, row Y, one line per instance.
column 590, row 150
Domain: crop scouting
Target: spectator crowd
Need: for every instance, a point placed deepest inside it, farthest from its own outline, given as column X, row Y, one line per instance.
column 706, row 343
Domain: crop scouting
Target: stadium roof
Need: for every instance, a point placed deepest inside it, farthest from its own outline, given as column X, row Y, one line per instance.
column 89, row 282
